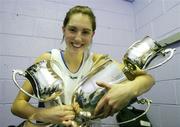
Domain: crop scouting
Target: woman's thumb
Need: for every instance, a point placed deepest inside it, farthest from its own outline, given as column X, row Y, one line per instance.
column 104, row 85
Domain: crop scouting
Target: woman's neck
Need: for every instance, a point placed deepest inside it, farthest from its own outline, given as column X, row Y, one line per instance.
column 73, row 60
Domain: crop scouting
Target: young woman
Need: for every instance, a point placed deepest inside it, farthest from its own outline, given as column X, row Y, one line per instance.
column 75, row 61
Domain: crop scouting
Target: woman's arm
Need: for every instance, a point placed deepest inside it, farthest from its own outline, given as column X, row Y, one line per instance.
column 119, row 95
column 22, row 108
column 56, row 115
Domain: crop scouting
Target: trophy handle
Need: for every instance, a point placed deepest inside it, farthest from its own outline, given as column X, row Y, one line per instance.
column 171, row 51
column 22, row 73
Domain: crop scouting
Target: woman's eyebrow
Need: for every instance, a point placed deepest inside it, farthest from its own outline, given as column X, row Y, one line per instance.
column 71, row 26
column 87, row 29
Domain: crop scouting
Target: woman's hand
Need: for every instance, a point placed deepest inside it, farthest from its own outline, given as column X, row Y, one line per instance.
column 63, row 114
column 117, row 97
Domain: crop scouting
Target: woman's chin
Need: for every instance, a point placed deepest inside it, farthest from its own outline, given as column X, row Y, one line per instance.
column 77, row 50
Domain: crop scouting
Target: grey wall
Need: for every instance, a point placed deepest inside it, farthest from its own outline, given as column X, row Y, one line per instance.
column 31, row 27
column 160, row 19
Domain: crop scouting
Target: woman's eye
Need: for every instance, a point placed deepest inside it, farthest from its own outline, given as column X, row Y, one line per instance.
column 86, row 32
column 72, row 30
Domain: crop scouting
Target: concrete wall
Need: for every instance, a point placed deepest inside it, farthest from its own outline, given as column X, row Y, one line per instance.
column 29, row 28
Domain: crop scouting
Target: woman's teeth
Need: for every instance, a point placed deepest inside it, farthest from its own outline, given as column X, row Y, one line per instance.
column 76, row 45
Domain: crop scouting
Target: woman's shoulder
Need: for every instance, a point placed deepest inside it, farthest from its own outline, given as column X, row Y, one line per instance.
column 98, row 55
column 44, row 56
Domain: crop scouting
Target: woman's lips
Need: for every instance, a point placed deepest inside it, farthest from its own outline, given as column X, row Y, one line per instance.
column 76, row 45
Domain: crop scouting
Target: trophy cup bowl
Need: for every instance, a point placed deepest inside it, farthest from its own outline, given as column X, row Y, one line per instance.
column 88, row 94
column 46, row 84
column 140, row 55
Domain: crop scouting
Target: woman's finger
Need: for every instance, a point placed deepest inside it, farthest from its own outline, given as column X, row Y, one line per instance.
column 99, row 106
column 107, row 111
column 104, row 85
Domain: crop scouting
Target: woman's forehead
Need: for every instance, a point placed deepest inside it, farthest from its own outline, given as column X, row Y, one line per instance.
column 80, row 20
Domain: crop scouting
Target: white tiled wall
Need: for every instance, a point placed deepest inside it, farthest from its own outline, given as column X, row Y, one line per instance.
column 31, row 27
column 160, row 19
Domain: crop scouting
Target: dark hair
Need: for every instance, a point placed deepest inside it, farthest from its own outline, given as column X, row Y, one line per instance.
column 81, row 9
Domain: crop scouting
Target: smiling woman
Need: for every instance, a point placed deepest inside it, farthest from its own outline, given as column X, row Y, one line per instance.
column 72, row 65
column 78, row 35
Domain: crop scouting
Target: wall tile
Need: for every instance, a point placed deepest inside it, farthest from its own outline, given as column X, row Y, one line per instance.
column 30, row 8
column 26, row 45
column 1, row 91
column 55, row 10
column 8, row 118
column 167, row 22
column 7, row 92
column 118, row 6
column 17, row 24
column 169, row 70
column 1, row 22
column 9, row 63
column 42, row 45
column 144, row 31
column 10, row 91
column 114, row 37
column 149, row 13
column 114, row 20
column 169, row 4
column 163, row 92
column 154, row 115
column 170, row 116
column 114, row 51
column 48, row 28
column 102, row 35
column 8, row 5
column 177, row 83
column 122, row 37
column 139, row 5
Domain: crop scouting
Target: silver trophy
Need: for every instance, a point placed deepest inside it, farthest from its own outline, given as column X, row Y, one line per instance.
column 144, row 54
column 46, row 84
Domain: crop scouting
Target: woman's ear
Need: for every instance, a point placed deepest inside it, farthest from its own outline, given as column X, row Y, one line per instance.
column 63, row 29
column 93, row 34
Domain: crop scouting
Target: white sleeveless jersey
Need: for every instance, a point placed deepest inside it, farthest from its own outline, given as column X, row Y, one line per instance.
column 70, row 80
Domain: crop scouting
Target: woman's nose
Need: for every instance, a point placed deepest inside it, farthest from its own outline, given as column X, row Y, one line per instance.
column 78, row 37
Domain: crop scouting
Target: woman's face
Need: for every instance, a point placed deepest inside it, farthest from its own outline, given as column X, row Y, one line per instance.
column 78, row 33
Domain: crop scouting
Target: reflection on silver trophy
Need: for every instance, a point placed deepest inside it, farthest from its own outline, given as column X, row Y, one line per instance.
column 144, row 54
column 46, row 84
